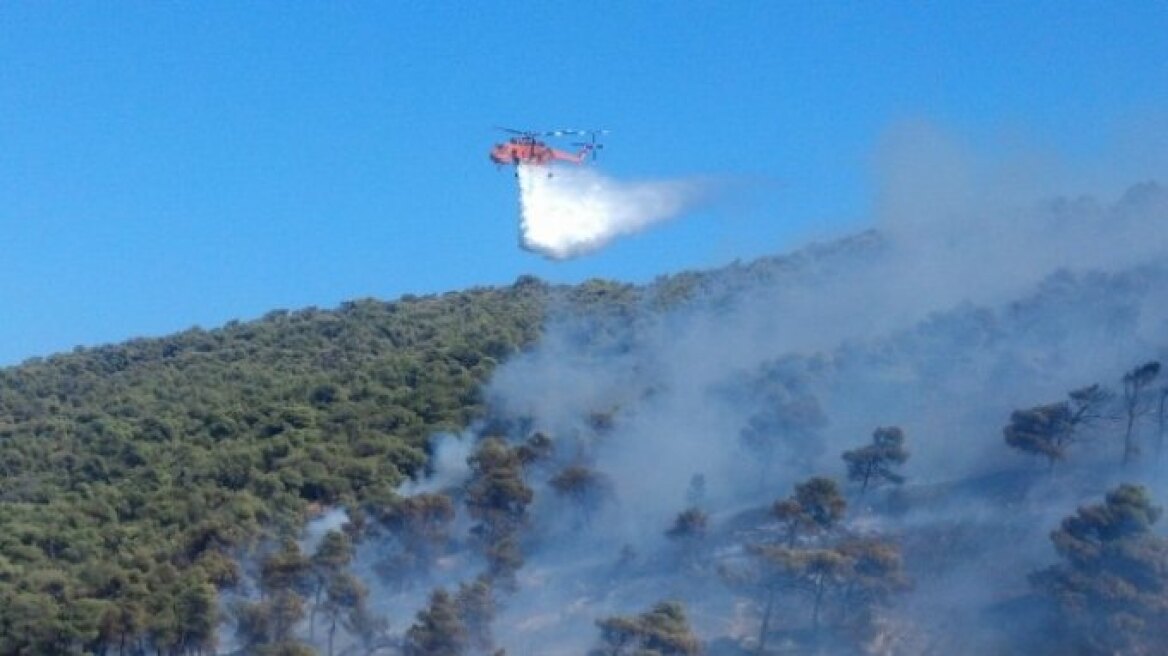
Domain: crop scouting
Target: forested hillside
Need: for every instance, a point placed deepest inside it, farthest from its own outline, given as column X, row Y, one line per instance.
column 837, row 451
column 132, row 475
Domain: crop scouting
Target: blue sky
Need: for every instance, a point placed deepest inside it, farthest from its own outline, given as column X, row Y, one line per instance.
column 167, row 164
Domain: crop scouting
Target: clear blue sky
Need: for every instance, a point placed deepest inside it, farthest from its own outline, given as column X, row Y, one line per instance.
column 168, row 164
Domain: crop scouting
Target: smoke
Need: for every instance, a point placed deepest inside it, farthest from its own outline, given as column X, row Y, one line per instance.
column 978, row 293
column 971, row 298
column 447, row 466
column 569, row 212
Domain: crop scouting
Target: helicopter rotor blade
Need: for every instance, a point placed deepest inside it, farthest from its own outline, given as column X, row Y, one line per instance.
column 526, row 133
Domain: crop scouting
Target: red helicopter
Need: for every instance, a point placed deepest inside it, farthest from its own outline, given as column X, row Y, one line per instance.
column 526, row 148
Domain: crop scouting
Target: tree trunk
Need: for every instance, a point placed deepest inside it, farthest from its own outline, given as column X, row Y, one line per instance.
column 1128, row 446
column 312, row 613
column 818, row 602
column 1160, row 425
column 766, row 621
column 332, row 632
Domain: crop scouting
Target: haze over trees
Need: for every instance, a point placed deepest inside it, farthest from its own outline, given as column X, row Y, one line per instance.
column 276, row 486
column 1112, row 585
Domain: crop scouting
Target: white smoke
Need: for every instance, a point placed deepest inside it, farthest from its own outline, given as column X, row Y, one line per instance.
column 448, row 465
column 573, row 212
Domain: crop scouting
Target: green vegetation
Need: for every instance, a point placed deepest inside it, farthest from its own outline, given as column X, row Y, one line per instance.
column 133, row 476
column 140, row 481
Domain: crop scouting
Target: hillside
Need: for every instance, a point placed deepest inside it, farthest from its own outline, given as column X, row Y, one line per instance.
column 134, row 474
column 130, row 474
column 154, row 494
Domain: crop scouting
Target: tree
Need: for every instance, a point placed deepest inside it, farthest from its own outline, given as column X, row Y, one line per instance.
column 816, row 506
column 876, row 573
column 1112, row 588
column 813, row 571
column 476, row 608
column 789, row 420
column 332, row 556
column 192, row 448
column 344, row 596
column 689, row 531
column 1135, row 405
column 1087, row 404
column 1049, row 430
column 695, row 493
column 253, row 624
column 872, row 464
column 661, row 631
column 285, row 570
column 1161, row 418
column 498, row 497
column 760, row 581
column 30, row 624
column 585, row 488
column 439, row 629
column 420, row 525
column 1043, row 430
column 856, row 574
column 535, row 449
column 197, row 615
column 285, row 576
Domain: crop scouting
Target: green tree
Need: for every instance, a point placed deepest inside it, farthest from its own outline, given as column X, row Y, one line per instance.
column 197, row 616
column 286, row 575
column 497, row 497
column 333, row 555
column 345, row 597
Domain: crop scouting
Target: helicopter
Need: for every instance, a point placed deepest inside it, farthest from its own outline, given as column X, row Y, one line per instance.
column 526, row 147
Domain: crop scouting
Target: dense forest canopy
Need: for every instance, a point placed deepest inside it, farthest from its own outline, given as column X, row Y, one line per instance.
column 131, row 474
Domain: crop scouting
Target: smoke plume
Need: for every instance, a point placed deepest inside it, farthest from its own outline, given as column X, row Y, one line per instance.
column 572, row 212
column 965, row 304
